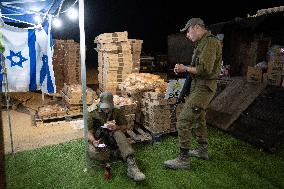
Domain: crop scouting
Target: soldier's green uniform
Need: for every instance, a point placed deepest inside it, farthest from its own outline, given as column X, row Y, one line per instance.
column 97, row 118
column 206, row 67
column 207, row 59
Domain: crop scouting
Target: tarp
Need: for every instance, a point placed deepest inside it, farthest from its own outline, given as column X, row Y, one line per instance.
column 24, row 11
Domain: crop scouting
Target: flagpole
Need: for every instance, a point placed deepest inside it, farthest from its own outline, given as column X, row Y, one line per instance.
column 83, row 78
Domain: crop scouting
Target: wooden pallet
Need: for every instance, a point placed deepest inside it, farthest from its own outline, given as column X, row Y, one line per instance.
column 231, row 102
column 137, row 135
column 36, row 121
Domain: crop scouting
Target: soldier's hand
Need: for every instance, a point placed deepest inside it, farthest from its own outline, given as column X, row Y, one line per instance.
column 95, row 143
column 180, row 68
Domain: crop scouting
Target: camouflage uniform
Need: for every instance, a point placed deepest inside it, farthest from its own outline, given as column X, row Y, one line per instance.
column 103, row 112
column 206, row 58
column 97, row 118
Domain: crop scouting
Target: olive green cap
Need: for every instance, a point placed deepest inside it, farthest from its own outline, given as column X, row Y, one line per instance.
column 192, row 22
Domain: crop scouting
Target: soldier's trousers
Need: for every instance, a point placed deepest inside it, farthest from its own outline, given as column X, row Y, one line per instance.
column 124, row 146
column 192, row 118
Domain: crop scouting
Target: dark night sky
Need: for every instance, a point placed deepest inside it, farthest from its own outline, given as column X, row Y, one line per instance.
column 153, row 20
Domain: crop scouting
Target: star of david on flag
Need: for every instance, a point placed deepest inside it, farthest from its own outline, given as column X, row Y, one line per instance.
column 16, row 59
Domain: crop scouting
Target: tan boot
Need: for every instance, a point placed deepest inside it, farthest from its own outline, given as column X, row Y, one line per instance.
column 201, row 152
column 133, row 170
column 181, row 162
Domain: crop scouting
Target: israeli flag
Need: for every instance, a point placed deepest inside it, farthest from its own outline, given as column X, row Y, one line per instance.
column 28, row 58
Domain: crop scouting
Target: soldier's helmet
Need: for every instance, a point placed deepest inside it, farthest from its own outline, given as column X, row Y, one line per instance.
column 106, row 100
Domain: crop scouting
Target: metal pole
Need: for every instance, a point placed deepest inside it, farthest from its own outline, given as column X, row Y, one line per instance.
column 83, row 77
column 2, row 151
column 7, row 98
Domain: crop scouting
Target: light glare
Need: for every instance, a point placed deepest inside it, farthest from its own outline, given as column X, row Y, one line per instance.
column 72, row 14
column 37, row 19
column 57, row 23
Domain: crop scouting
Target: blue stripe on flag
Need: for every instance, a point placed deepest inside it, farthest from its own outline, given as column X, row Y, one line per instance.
column 1, row 75
column 32, row 53
column 44, row 71
column 50, row 87
column 46, row 26
column 51, row 42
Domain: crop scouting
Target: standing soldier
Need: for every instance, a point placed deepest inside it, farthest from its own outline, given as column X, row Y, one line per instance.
column 205, row 70
column 106, row 114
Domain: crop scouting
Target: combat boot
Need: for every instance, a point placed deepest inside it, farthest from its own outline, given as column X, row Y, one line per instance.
column 181, row 162
column 201, row 152
column 133, row 170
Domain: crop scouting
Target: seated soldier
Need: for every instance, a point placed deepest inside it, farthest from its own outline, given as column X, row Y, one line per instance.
column 111, row 134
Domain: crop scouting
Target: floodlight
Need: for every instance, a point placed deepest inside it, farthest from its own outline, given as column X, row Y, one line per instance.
column 57, row 23
column 72, row 13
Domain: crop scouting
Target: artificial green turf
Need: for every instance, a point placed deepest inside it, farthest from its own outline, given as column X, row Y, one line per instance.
column 233, row 164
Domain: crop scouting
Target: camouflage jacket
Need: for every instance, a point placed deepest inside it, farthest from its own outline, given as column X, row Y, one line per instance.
column 207, row 58
column 97, row 118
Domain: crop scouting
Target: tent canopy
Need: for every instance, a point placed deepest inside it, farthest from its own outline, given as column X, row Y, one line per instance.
column 24, row 11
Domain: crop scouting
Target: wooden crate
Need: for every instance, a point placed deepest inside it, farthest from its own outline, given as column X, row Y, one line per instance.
column 158, row 102
column 121, row 47
column 275, row 66
column 272, row 79
column 49, row 111
column 117, row 65
column 159, row 119
column 157, row 128
column 75, row 101
column 136, row 45
column 254, row 74
column 128, row 108
column 112, row 37
column 75, row 92
column 125, row 56
column 153, row 95
column 114, row 78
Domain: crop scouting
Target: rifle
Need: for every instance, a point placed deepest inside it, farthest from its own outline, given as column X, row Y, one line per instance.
column 184, row 92
column 106, row 136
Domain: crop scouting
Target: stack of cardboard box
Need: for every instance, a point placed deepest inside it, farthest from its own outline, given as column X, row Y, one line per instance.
column 66, row 63
column 58, row 63
column 159, row 115
column 136, row 47
column 248, row 54
column 272, row 73
column 115, row 60
column 254, row 74
column 137, row 83
column 72, row 70
column 275, row 66
column 72, row 98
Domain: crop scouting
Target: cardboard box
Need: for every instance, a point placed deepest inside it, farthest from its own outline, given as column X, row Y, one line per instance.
column 275, row 66
column 254, row 74
column 272, row 79
column 112, row 37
